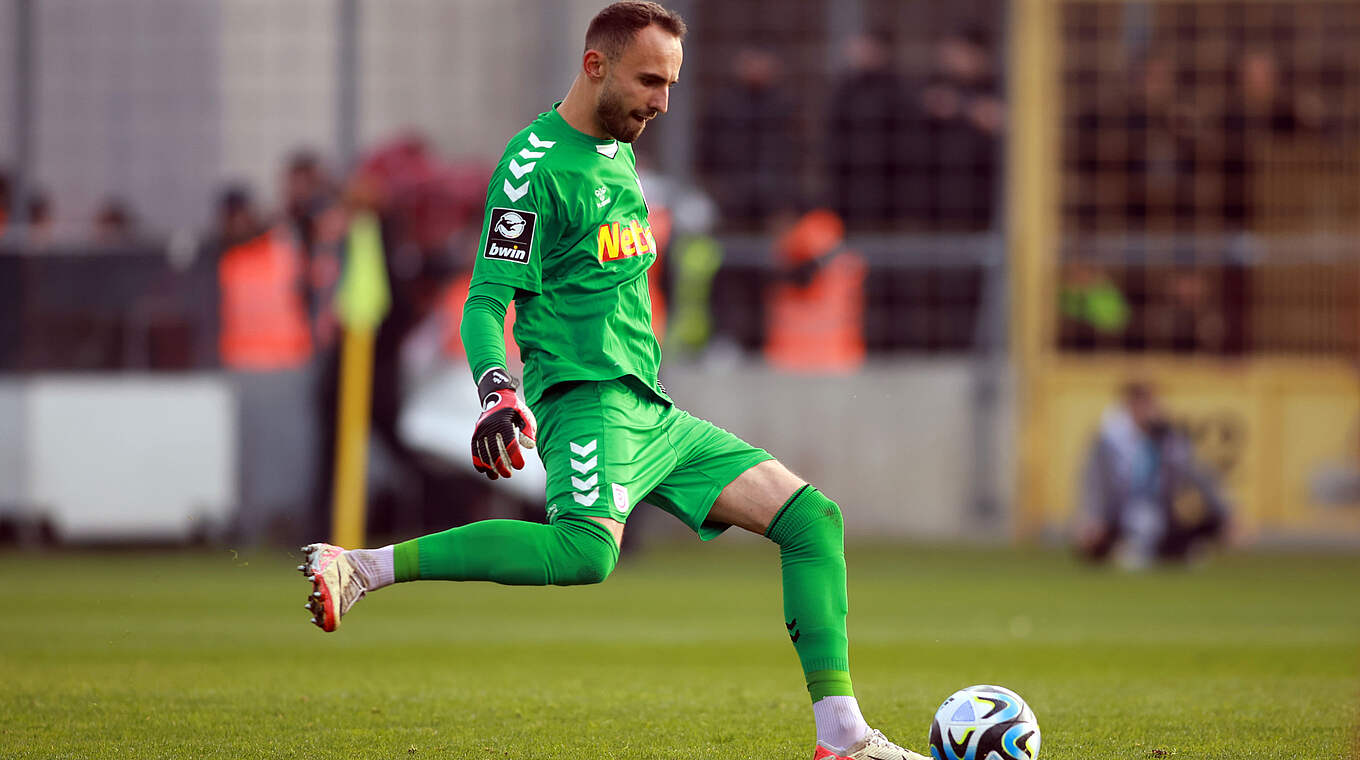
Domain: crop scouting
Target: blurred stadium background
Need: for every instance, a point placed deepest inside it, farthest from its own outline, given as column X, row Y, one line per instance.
column 1041, row 200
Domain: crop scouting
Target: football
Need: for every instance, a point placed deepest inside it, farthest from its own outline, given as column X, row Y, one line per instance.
column 984, row 723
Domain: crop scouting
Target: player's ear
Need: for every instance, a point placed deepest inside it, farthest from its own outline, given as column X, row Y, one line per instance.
column 594, row 64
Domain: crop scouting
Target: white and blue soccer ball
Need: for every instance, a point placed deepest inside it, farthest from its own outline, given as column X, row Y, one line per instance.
column 984, row 723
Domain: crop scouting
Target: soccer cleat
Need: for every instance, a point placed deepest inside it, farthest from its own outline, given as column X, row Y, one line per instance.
column 874, row 746
column 336, row 585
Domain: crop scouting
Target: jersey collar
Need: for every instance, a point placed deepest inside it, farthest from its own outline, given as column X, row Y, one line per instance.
column 606, row 148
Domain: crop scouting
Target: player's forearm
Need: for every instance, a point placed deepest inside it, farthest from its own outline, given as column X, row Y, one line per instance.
column 483, row 328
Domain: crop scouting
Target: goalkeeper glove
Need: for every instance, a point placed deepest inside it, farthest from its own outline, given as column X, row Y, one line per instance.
column 505, row 425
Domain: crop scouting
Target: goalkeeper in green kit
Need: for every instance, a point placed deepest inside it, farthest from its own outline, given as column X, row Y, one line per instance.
column 566, row 237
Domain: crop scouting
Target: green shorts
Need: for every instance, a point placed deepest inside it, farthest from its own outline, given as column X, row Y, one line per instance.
column 608, row 445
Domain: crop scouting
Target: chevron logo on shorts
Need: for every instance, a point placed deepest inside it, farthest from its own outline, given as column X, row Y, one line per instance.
column 587, row 488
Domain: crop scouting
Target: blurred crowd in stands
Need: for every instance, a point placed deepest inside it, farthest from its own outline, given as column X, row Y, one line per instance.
column 1188, row 162
column 894, row 154
column 1173, row 170
column 112, row 225
column 1195, row 194
column 1181, row 134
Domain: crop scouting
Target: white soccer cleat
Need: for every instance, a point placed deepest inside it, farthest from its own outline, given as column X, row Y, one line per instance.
column 336, row 585
column 874, row 746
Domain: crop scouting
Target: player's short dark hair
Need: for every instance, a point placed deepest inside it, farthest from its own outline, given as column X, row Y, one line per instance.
column 613, row 28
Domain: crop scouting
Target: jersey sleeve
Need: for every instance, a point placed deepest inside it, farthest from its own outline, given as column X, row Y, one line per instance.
column 521, row 223
column 483, row 327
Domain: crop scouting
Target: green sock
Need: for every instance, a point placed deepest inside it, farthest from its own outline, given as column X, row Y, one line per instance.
column 569, row 552
column 810, row 534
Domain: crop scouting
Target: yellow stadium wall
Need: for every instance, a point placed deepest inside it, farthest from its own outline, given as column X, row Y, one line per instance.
column 1267, row 427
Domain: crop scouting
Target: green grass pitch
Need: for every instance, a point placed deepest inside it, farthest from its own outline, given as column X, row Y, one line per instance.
column 680, row 654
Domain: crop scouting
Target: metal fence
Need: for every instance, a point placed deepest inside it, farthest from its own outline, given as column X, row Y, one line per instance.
column 1210, row 177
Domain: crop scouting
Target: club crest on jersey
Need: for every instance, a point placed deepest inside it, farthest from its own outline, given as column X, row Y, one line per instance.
column 510, row 235
column 620, row 240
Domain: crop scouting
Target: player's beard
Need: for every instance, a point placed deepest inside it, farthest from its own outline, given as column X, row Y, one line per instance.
column 619, row 122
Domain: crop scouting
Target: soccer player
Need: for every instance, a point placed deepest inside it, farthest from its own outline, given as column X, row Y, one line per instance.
column 566, row 237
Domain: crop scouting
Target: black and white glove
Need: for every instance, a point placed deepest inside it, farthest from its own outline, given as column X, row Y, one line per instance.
column 506, row 424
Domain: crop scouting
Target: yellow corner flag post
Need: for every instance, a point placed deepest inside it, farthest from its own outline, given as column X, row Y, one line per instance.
column 361, row 304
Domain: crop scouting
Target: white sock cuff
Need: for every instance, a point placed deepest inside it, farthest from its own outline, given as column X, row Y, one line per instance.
column 377, row 567
column 839, row 722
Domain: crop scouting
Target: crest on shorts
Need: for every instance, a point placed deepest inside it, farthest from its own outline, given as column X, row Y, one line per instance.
column 620, row 494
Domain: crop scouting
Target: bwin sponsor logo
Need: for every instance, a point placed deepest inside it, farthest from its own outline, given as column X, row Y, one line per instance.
column 512, row 253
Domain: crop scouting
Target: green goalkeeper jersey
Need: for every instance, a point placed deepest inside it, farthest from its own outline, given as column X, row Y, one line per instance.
column 566, row 226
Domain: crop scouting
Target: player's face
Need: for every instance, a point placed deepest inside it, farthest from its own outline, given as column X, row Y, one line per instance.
column 637, row 86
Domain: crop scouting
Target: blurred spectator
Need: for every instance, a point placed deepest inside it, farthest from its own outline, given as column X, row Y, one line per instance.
column 1261, row 100
column 429, row 208
column 5, row 201
column 1141, row 143
column 864, row 150
column 954, row 136
column 308, row 192
column 37, row 213
column 114, row 224
column 815, row 310
column 746, row 150
column 263, row 278
column 1138, row 471
column 314, row 217
column 39, row 220
column 237, row 219
column 1095, row 313
column 1259, row 111
column 1188, row 312
column 1158, row 165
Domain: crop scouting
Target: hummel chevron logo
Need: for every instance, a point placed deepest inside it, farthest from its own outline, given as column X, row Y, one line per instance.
column 584, row 467
column 515, row 193
column 519, row 170
column 587, row 499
